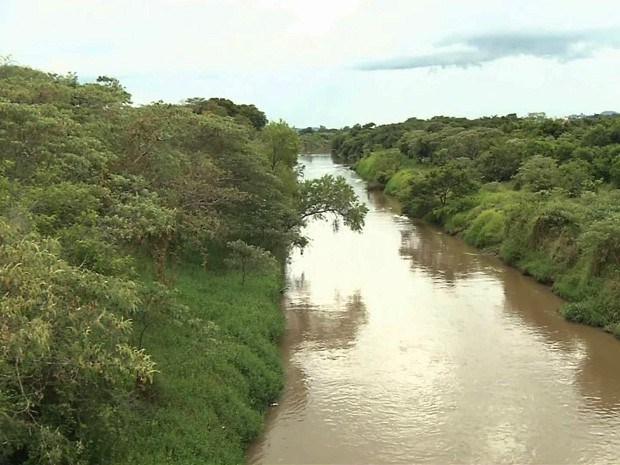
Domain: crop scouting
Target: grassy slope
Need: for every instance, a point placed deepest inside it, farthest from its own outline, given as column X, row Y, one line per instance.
column 218, row 373
column 390, row 170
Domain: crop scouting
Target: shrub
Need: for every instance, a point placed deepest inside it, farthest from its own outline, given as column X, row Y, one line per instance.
column 537, row 174
column 67, row 365
column 575, row 177
column 517, row 233
column 538, row 266
column 487, row 229
column 601, row 244
column 582, row 312
column 551, row 222
column 380, row 166
column 456, row 223
column 397, row 185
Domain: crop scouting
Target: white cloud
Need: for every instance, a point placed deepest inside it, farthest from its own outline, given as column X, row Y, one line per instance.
column 291, row 57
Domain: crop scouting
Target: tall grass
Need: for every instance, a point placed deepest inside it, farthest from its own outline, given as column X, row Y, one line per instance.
column 219, row 370
column 379, row 166
column 397, row 185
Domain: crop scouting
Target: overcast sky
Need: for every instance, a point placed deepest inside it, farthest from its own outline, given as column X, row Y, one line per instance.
column 335, row 62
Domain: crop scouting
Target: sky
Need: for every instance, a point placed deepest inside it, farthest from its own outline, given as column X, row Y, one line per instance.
column 336, row 62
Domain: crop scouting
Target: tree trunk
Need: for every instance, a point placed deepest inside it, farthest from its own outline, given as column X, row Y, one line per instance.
column 159, row 253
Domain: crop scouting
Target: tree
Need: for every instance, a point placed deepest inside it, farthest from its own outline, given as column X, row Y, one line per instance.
column 469, row 143
column 65, row 359
column 107, row 92
column 418, row 145
column 575, row 177
column 247, row 114
column 438, row 187
column 501, row 162
column 551, row 127
column 332, row 196
column 537, row 174
column 90, row 185
column 281, row 144
column 249, row 259
column 256, row 117
column 451, row 181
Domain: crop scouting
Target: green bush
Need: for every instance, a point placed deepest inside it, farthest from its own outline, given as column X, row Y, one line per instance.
column 380, row 166
column 487, row 229
column 601, row 244
column 398, row 183
column 364, row 166
column 582, row 312
column 456, row 223
column 606, row 301
column 576, row 284
column 538, row 266
column 552, row 221
column 517, row 232
column 538, row 173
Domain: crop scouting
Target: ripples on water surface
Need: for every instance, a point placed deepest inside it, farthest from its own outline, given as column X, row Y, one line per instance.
column 405, row 345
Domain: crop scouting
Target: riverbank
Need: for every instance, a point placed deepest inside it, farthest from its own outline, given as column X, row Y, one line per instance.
column 219, row 371
column 569, row 243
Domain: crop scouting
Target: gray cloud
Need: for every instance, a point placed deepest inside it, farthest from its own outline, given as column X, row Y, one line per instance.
column 475, row 50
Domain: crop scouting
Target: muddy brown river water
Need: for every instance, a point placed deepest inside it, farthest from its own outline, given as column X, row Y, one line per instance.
column 405, row 345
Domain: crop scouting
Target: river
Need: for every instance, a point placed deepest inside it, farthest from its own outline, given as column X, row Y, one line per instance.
column 405, row 345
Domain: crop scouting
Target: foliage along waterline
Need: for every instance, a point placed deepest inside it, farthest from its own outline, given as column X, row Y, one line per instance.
column 541, row 193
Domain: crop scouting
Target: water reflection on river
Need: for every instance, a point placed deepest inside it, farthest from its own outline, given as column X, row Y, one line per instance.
column 405, row 345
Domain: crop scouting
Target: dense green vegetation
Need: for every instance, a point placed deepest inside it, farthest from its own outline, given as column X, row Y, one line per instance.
column 141, row 251
column 217, row 372
column 316, row 140
column 541, row 193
